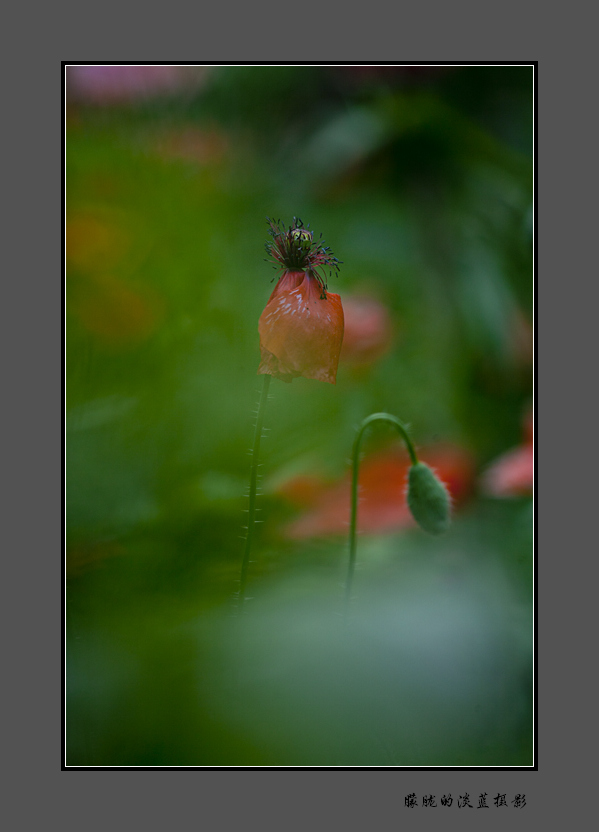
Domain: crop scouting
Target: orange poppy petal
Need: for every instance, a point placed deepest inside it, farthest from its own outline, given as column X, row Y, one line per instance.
column 301, row 330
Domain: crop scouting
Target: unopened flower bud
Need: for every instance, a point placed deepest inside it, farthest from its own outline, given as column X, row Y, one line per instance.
column 428, row 499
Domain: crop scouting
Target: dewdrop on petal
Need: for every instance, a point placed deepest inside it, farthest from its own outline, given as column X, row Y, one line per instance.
column 428, row 499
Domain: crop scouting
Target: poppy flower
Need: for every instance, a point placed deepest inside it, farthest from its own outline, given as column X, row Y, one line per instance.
column 301, row 327
column 512, row 474
column 383, row 507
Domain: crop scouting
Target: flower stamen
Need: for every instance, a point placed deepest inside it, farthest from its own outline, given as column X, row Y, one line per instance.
column 294, row 248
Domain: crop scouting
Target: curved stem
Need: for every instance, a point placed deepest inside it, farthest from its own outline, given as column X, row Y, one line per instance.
column 253, row 482
column 401, row 428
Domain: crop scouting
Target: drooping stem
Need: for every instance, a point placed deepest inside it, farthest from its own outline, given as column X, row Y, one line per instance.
column 401, row 428
column 252, row 493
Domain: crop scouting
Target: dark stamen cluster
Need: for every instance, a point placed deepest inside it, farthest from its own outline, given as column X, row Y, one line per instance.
column 295, row 249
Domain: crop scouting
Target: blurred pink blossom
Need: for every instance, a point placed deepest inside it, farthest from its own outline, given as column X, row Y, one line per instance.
column 125, row 83
column 368, row 331
column 512, row 474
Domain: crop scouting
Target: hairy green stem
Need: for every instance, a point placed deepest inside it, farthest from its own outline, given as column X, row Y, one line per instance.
column 401, row 428
column 253, row 483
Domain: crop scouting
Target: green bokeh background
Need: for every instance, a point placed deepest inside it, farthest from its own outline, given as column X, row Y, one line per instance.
column 421, row 180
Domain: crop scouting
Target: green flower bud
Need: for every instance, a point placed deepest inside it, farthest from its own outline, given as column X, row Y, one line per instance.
column 302, row 234
column 428, row 499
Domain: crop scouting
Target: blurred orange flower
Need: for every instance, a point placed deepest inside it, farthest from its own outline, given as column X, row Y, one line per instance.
column 118, row 314
column 191, row 144
column 94, row 244
column 301, row 327
column 382, row 484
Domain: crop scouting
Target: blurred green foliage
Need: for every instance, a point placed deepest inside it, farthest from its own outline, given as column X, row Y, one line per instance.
column 421, row 183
